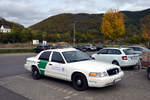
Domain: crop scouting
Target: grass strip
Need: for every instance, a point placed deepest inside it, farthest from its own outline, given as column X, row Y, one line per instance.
column 23, row 50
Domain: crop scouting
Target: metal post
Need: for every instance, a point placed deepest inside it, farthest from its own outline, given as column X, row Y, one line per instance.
column 74, row 36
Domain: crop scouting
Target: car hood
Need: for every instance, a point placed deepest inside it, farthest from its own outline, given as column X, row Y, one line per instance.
column 92, row 66
column 31, row 59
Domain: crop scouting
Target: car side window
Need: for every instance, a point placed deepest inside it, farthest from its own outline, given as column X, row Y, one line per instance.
column 111, row 51
column 138, row 49
column 117, row 52
column 56, row 57
column 45, row 56
column 104, row 51
column 114, row 51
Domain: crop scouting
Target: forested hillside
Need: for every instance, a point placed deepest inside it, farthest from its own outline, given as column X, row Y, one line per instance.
column 64, row 22
column 89, row 24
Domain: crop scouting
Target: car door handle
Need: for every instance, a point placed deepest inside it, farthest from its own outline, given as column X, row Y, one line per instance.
column 50, row 64
column 38, row 62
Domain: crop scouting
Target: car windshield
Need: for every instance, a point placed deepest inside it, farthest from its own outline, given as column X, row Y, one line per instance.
column 140, row 49
column 129, row 51
column 75, row 56
column 145, row 49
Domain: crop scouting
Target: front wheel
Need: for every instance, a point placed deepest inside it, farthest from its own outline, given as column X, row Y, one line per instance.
column 35, row 74
column 79, row 82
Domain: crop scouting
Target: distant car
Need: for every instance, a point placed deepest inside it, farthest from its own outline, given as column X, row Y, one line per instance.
column 139, row 48
column 90, row 47
column 40, row 48
column 123, row 57
column 98, row 47
column 81, row 48
column 75, row 66
column 61, row 46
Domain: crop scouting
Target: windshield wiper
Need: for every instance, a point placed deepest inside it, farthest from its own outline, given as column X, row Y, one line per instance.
column 84, row 59
column 75, row 60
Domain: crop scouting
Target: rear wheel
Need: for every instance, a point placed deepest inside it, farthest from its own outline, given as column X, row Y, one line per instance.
column 79, row 82
column 35, row 73
column 115, row 63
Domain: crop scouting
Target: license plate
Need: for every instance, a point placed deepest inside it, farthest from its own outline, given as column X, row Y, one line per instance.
column 134, row 58
column 116, row 80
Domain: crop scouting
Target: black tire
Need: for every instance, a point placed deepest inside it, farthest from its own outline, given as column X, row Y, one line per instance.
column 148, row 73
column 35, row 73
column 79, row 82
column 115, row 63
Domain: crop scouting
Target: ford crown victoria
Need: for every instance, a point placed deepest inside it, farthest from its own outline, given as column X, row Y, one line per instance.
column 75, row 66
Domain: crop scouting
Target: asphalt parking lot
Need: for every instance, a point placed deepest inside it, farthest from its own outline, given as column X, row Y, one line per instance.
column 18, row 84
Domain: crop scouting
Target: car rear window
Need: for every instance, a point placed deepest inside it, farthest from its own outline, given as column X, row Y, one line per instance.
column 129, row 51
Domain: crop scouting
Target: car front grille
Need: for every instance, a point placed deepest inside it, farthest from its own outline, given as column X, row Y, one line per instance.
column 113, row 71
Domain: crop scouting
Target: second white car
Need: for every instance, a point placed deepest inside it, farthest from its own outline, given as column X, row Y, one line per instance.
column 123, row 57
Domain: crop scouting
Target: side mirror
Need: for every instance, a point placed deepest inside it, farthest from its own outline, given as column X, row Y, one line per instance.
column 98, row 53
column 92, row 57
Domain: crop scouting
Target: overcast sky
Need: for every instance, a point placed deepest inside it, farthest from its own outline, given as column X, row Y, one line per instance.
column 29, row 12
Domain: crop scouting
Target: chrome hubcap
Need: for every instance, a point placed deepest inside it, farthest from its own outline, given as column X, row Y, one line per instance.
column 35, row 72
column 79, row 82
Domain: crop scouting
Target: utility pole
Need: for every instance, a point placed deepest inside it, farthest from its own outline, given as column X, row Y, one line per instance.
column 74, row 34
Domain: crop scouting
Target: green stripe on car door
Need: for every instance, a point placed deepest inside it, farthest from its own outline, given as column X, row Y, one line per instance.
column 42, row 66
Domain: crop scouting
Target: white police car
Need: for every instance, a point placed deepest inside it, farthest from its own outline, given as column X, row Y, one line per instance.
column 75, row 66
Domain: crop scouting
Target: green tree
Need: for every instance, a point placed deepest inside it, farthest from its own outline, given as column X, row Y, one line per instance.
column 26, row 35
column 113, row 24
column 66, row 37
column 36, row 35
column 54, row 37
column 135, row 39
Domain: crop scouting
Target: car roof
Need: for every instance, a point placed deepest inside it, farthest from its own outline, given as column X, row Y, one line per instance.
column 120, row 48
column 137, row 46
column 63, row 49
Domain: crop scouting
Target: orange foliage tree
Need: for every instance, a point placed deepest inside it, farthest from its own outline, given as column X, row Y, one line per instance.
column 146, row 29
column 113, row 24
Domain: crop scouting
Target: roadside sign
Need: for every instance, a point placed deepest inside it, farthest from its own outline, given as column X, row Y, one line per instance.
column 44, row 42
column 35, row 42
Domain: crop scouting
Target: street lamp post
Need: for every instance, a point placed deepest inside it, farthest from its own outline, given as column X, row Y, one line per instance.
column 74, row 34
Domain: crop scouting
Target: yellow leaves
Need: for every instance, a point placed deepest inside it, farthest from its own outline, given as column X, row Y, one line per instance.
column 146, row 36
column 146, row 28
column 113, row 24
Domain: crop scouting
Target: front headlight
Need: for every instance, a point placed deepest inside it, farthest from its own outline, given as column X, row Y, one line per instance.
column 98, row 74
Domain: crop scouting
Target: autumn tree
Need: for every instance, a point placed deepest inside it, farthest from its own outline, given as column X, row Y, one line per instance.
column 113, row 24
column 145, row 29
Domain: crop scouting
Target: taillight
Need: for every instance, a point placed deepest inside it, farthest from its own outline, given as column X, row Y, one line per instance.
column 124, row 57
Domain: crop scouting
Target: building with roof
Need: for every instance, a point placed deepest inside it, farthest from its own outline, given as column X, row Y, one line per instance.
column 5, row 29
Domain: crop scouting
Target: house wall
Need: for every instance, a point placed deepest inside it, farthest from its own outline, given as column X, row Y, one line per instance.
column 4, row 30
